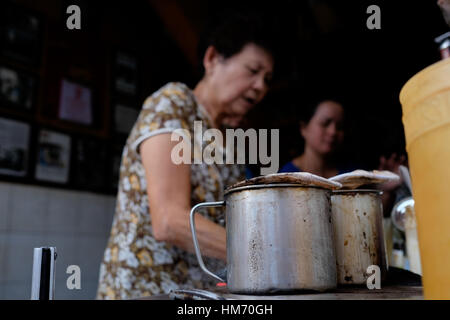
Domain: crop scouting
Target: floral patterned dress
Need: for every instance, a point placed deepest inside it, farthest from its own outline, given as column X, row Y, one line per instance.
column 134, row 263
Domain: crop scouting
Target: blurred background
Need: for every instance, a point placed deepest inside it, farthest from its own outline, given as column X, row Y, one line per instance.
column 68, row 99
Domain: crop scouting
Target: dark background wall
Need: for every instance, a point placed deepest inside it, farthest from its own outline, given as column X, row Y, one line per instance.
column 367, row 68
column 333, row 50
column 87, row 56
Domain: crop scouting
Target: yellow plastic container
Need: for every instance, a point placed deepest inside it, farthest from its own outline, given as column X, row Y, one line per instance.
column 425, row 100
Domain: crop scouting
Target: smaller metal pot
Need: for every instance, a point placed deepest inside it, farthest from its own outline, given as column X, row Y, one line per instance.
column 357, row 217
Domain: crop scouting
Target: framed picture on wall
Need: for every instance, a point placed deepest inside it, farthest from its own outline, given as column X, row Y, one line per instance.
column 75, row 102
column 14, row 147
column 17, row 89
column 53, row 157
column 124, row 118
column 20, row 34
column 125, row 74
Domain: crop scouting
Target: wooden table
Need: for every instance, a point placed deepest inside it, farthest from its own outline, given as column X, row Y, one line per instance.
column 393, row 292
column 398, row 285
column 351, row 293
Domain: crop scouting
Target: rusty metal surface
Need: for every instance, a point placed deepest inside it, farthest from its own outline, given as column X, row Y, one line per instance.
column 265, row 186
column 359, row 237
column 298, row 178
column 355, row 293
column 354, row 192
column 389, row 292
column 279, row 239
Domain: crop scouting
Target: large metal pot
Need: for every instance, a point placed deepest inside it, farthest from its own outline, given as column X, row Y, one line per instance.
column 279, row 238
column 358, row 230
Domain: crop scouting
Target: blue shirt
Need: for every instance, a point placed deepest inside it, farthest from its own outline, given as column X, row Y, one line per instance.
column 291, row 167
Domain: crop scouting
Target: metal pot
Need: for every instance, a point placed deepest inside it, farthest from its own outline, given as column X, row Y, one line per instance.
column 358, row 230
column 279, row 238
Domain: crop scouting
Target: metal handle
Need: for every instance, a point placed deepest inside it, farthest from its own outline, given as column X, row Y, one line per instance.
column 194, row 235
column 404, row 173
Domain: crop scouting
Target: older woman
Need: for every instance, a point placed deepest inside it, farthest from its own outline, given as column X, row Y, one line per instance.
column 150, row 250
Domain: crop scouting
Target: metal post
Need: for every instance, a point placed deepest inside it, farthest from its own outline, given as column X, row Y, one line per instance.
column 43, row 281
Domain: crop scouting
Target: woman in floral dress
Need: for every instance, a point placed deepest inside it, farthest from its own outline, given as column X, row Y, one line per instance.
column 150, row 249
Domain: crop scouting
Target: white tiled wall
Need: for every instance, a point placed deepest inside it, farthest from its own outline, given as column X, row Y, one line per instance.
column 76, row 223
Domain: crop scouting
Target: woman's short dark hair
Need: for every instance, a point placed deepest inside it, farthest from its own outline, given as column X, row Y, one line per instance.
column 231, row 30
column 308, row 111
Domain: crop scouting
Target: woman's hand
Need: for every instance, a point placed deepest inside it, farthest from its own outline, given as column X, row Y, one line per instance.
column 391, row 164
column 169, row 197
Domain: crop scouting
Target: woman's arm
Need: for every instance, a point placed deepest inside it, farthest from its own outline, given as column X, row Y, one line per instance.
column 169, row 194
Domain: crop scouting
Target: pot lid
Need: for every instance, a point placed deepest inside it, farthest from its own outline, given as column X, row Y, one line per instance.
column 357, row 178
column 298, row 178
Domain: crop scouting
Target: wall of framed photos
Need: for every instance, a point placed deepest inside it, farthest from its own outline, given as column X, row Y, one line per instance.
column 68, row 98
